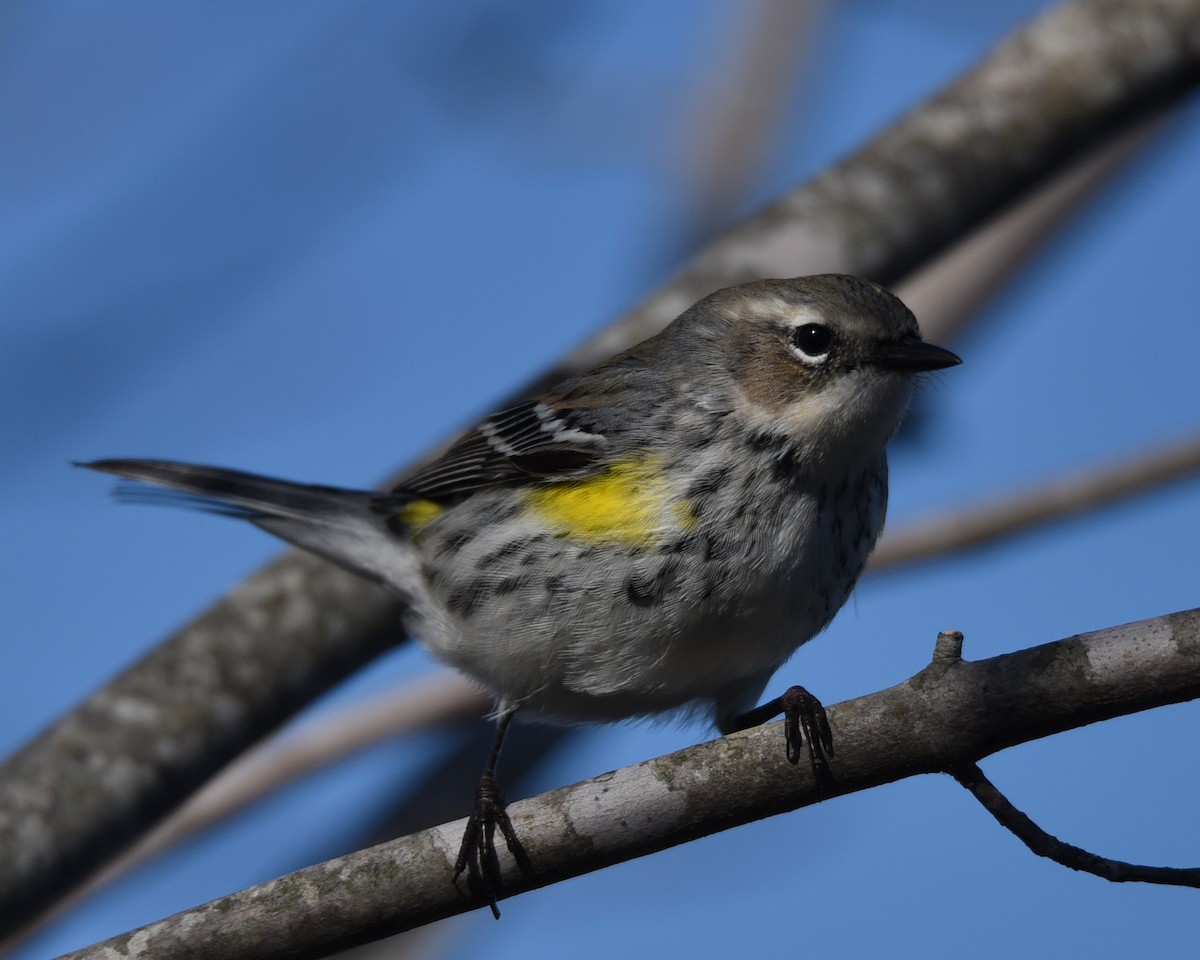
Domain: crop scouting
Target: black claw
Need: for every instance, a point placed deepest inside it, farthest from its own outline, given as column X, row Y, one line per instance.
column 805, row 721
column 477, row 855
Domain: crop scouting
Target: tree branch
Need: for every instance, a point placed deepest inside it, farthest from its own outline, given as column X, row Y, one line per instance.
column 949, row 715
column 292, row 631
column 1056, row 499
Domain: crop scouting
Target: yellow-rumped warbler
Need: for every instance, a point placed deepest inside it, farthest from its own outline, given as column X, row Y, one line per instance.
column 660, row 531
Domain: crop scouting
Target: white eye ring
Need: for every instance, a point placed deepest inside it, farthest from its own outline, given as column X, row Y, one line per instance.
column 811, row 342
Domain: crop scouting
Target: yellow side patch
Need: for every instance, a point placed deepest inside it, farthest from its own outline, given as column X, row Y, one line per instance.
column 685, row 515
column 628, row 504
column 418, row 513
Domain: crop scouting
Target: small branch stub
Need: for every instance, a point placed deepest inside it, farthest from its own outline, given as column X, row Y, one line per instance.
column 948, row 647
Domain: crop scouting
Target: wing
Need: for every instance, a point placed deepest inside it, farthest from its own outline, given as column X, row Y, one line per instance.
column 530, row 439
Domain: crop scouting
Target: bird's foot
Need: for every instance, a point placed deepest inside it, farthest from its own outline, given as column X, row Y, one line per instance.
column 477, row 855
column 805, row 722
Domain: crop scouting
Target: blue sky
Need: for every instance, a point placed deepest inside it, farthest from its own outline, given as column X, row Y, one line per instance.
column 312, row 239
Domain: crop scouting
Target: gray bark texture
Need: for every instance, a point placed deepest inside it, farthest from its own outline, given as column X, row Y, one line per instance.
column 951, row 714
column 89, row 785
column 103, row 774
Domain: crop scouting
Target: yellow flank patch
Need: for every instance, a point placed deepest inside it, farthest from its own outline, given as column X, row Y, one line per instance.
column 629, row 504
column 417, row 513
column 685, row 515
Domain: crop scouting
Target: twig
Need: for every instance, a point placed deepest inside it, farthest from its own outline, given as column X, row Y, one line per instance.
column 947, row 716
column 1051, row 500
column 1044, row 845
column 449, row 697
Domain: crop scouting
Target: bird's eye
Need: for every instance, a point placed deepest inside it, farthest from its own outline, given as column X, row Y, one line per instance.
column 812, row 340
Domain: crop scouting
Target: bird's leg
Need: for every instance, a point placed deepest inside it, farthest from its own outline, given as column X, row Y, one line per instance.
column 477, row 855
column 805, row 722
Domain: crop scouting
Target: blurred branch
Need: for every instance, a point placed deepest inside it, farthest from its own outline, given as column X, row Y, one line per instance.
column 111, row 768
column 940, row 170
column 300, row 626
column 946, row 717
column 948, row 292
column 431, row 702
column 1051, row 500
column 739, row 106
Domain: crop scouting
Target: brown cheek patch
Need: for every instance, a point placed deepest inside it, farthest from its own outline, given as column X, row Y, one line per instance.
column 763, row 366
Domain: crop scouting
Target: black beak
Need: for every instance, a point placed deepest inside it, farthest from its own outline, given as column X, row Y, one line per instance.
column 914, row 355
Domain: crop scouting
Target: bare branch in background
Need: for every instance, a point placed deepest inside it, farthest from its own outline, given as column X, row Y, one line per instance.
column 946, row 717
column 428, row 703
column 740, row 107
column 290, row 632
column 948, row 292
column 1065, row 497
column 945, row 167
column 171, row 721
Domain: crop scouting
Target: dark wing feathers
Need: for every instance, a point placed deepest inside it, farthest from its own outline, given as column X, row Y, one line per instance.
column 530, row 439
column 572, row 431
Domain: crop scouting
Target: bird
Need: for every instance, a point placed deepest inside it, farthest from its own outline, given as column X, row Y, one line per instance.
column 657, row 534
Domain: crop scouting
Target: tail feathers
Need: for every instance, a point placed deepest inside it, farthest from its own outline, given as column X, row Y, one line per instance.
column 349, row 527
column 232, row 492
